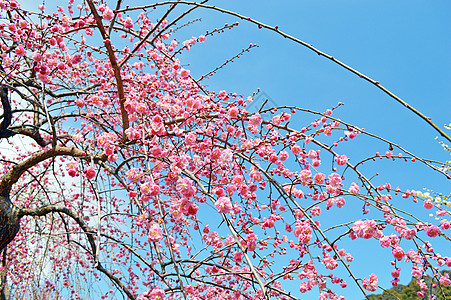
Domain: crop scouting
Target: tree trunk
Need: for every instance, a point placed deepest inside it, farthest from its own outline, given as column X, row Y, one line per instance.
column 9, row 221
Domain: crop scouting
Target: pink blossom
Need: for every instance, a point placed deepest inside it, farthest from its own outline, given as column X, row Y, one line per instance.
column 184, row 73
column 72, row 168
column 341, row 160
column 295, row 149
column 305, row 176
column 20, row 51
column 335, row 180
column 319, row 178
column 150, row 189
column 444, row 280
column 395, row 273
column 233, row 112
column 370, row 284
column 155, row 233
column 90, row 172
column 223, row 205
column 157, row 294
column 108, row 14
column 255, row 120
column 354, row 188
column 202, row 38
column 432, row 231
column 80, row 102
column 190, row 138
column 366, row 229
column 428, row 204
column 283, row 155
column 312, row 154
column 340, row 202
column 330, row 263
column 398, row 253
column 128, row 23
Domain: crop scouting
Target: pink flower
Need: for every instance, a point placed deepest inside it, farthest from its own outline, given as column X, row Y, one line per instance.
column 305, row 176
column 255, row 120
column 202, row 39
column 335, row 180
column 233, row 112
column 398, row 253
column 72, row 168
column 128, row 23
column 341, row 160
column 354, row 188
column 444, row 280
column 155, row 233
column 395, row 273
column 80, row 102
column 366, row 229
column 319, row 178
column 223, row 205
column 108, row 14
column 432, row 231
column 330, row 263
column 184, row 73
column 150, row 189
column 283, row 155
column 295, row 149
column 340, row 202
column 428, row 204
column 312, row 154
column 20, row 51
column 90, row 172
column 370, row 284
column 190, row 138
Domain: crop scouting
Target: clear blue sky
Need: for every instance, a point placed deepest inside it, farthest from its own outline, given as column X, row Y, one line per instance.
column 405, row 45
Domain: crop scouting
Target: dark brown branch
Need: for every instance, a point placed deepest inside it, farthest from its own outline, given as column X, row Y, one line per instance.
column 14, row 174
column 116, row 68
column 7, row 114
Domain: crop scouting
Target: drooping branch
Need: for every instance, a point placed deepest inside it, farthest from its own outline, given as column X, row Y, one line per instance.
column 41, row 211
column 114, row 65
column 14, row 174
column 309, row 46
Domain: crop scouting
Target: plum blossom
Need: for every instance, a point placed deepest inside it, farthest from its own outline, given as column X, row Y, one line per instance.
column 255, row 120
column 366, row 229
column 305, row 176
column 108, row 14
column 354, row 188
column 432, row 231
column 90, row 172
column 283, row 155
column 223, row 205
column 128, row 23
column 341, row 160
column 184, row 73
column 398, row 252
column 370, row 284
column 155, row 233
column 72, row 168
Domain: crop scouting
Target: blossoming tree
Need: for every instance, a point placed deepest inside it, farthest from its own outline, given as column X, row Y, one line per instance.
column 125, row 170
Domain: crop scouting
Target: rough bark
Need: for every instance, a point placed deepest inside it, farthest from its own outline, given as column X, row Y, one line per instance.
column 9, row 221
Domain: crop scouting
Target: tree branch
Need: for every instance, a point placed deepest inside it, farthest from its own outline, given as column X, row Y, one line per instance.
column 14, row 174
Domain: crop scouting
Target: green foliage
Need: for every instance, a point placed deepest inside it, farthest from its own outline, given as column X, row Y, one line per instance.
column 409, row 292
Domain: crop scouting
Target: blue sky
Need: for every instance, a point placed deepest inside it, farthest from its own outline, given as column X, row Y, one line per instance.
column 405, row 45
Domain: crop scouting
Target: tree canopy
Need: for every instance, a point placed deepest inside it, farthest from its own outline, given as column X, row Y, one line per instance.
column 124, row 177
